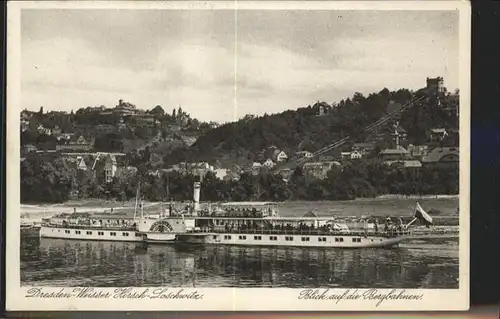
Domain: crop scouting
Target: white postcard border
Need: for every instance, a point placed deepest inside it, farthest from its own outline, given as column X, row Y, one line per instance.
column 268, row 299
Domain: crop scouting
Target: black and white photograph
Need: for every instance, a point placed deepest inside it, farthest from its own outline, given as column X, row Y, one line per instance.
column 239, row 146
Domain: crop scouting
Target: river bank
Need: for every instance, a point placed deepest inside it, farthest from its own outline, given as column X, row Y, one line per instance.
column 444, row 208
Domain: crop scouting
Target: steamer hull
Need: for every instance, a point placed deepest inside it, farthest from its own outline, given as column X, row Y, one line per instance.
column 315, row 241
column 91, row 234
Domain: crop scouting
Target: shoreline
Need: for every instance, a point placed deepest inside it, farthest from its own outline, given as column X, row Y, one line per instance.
column 94, row 202
column 397, row 196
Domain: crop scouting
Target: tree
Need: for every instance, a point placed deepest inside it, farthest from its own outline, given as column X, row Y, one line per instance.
column 45, row 180
column 157, row 111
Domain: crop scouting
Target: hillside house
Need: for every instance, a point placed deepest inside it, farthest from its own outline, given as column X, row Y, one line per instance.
column 319, row 170
column 64, row 137
column 81, row 165
column 75, row 144
column 303, row 155
column 395, row 154
column 442, row 156
column 105, row 167
column 404, row 163
column 437, row 134
column 268, row 163
column 44, row 130
column 123, row 109
column 221, row 173
column 417, row 151
column 364, row 149
column 348, row 156
column 408, row 166
column 279, row 156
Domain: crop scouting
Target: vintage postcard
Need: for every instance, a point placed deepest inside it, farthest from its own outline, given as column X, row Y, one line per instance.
column 238, row 155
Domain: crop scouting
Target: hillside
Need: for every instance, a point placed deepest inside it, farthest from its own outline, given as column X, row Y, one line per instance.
column 313, row 126
column 121, row 129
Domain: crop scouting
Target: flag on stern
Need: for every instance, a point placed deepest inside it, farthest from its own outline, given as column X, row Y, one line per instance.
column 422, row 215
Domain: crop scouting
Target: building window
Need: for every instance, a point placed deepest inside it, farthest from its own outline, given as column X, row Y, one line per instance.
column 112, row 234
column 242, row 237
column 89, row 233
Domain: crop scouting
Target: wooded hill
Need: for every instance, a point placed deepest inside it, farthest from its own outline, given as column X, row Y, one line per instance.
column 315, row 126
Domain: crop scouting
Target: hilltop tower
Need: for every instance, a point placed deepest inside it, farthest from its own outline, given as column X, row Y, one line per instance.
column 436, row 83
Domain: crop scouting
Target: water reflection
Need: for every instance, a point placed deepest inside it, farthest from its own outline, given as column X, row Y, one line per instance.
column 60, row 262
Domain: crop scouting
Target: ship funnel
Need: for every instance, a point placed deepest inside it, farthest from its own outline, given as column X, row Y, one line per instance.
column 196, row 196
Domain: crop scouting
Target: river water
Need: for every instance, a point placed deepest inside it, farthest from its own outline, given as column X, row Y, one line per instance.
column 429, row 263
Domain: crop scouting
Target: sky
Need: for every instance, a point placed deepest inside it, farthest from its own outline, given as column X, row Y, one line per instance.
column 219, row 65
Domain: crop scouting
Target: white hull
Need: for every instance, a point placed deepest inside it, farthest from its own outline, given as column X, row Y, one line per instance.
column 327, row 241
column 91, row 234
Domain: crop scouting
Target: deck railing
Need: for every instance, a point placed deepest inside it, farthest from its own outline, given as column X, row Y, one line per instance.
column 93, row 227
column 390, row 234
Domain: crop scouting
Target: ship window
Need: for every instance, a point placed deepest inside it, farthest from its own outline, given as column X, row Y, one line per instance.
column 305, row 238
column 125, row 234
column 273, row 238
column 257, row 237
column 112, row 234
column 242, row 237
column 137, row 235
column 227, row 237
column 288, row 238
column 321, row 238
column 100, row 233
column 67, row 231
column 215, row 236
column 89, row 233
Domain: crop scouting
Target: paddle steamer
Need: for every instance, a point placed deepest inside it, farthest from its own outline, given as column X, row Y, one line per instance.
column 258, row 224
column 92, row 226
